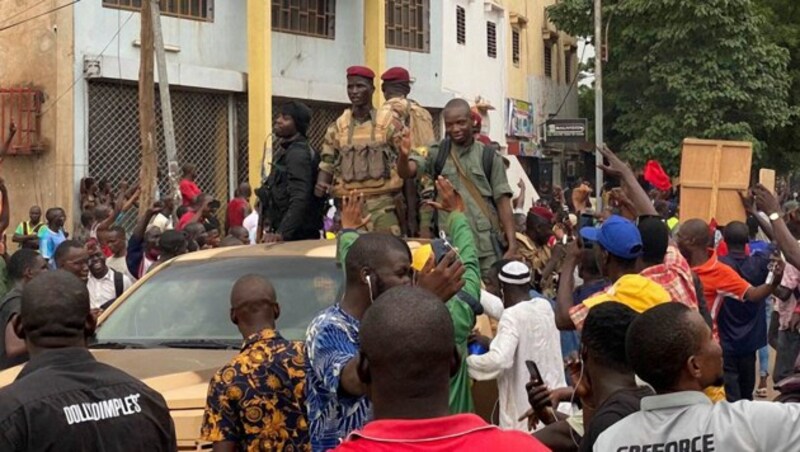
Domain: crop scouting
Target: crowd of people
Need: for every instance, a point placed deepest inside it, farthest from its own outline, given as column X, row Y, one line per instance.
column 621, row 329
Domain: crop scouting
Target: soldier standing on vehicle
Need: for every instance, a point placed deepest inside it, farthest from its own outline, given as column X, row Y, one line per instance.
column 359, row 153
column 479, row 176
column 64, row 399
column 396, row 87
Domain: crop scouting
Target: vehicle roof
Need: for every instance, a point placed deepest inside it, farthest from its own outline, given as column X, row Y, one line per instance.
column 307, row 248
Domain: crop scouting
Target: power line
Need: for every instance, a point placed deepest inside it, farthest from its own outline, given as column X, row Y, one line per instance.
column 14, row 16
column 39, row 15
column 80, row 77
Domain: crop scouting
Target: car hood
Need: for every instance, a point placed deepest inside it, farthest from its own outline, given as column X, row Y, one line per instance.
column 180, row 375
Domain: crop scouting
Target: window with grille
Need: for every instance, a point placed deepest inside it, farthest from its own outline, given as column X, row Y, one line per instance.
column 408, row 24
column 186, row 9
column 305, row 17
column 491, row 39
column 515, row 47
column 548, row 59
column 461, row 25
column 567, row 67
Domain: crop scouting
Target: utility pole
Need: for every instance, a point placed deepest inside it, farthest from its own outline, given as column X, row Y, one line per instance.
column 147, row 120
column 166, row 104
column 598, row 99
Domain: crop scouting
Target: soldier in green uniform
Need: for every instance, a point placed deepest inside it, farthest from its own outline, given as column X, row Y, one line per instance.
column 359, row 153
column 485, row 190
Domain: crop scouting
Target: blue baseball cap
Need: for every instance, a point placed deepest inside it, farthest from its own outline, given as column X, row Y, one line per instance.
column 618, row 236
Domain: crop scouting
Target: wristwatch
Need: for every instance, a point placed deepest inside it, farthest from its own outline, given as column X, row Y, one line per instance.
column 774, row 216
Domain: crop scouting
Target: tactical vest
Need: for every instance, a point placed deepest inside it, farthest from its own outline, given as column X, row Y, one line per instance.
column 365, row 161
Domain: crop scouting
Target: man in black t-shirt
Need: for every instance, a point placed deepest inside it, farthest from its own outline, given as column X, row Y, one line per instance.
column 605, row 382
column 63, row 399
column 23, row 266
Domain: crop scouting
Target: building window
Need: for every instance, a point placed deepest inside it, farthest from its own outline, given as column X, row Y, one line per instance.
column 515, row 47
column 305, row 17
column 548, row 59
column 408, row 24
column 491, row 39
column 461, row 25
column 186, row 9
column 568, row 67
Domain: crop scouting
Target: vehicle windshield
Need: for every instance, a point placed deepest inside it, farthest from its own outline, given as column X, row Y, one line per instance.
column 188, row 303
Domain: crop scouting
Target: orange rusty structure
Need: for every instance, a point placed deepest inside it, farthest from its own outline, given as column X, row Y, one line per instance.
column 22, row 106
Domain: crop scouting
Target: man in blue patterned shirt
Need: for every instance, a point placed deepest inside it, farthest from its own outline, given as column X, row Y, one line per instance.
column 336, row 399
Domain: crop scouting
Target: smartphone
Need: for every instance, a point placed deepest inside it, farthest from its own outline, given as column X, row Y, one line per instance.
column 536, row 377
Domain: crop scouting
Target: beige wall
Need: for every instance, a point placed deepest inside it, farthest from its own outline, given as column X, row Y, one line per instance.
column 39, row 54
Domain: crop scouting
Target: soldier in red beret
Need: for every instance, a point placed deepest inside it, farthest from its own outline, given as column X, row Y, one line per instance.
column 359, row 154
column 396, row 88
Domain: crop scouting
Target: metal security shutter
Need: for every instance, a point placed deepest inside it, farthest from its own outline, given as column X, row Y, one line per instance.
column 201, row 133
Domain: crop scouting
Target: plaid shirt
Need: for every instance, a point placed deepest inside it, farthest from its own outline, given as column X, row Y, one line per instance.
column 675, row 275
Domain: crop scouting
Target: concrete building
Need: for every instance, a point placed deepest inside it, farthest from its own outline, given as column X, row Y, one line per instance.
column 229, row 61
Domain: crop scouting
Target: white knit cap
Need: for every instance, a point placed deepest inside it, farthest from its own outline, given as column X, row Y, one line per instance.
column 515, row 273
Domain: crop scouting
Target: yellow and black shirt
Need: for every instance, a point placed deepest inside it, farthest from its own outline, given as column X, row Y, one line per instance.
column 257, row 400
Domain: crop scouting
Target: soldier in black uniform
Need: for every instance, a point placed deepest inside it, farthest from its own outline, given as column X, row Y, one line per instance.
column 65, row 400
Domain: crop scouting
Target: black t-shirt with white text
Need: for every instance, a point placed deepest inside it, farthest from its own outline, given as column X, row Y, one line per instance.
column 63, row 399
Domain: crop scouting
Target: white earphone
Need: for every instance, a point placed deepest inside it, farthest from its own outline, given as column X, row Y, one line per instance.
column 369, row 284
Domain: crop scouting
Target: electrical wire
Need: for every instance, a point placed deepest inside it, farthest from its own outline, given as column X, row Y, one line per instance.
column 14, row 16
column 81, row 77
column 26, row 20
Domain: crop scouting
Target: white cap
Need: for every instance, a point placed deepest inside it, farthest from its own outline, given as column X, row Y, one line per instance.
column 515, row 273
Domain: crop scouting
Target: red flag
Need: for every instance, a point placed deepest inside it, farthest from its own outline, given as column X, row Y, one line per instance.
column 655, row 174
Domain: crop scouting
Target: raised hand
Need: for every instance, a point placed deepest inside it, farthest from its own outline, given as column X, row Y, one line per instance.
column 616, row 167
column 451, row 199
column 352, row 208
column 443, row 280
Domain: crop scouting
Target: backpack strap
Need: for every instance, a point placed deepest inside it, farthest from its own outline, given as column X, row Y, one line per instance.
column 488, row 162
column 441, row 158
column 119, row 284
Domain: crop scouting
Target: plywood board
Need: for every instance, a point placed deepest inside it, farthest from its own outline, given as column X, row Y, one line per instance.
column 712, row 174
column 766, row 177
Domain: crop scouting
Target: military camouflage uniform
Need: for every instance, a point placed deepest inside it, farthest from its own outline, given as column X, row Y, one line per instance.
column 494, row 188
column 360, row 157
column 421, row 135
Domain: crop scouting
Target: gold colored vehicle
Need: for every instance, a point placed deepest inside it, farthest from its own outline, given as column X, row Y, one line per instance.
column 172, row 329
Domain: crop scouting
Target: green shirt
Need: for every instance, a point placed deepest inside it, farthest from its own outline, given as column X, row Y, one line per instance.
column 461, row 314
column 494, row 187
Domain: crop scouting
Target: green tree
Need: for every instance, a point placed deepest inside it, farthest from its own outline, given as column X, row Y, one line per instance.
column 685, row 68
column 783, row 18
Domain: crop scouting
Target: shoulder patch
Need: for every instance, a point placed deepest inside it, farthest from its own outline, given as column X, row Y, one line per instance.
column 422, row 151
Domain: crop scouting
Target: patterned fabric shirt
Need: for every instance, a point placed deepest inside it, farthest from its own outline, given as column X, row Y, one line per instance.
column 256, row 401
column 332, row 341
column 675, row 275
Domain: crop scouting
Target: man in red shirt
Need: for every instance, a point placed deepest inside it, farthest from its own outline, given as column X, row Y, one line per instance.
column 238, row 207
column 189, row 190
column 200, row 211
column 406, row 359
column 719, row 280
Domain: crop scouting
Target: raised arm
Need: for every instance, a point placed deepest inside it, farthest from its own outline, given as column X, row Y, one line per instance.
column 788, row 245
column 5, row 215
column 636, row 194
column 406, row 168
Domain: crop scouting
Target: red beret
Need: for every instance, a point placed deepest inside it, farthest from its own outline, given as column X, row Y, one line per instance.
column 396, row 74
column 543, row 212
column 360, row 71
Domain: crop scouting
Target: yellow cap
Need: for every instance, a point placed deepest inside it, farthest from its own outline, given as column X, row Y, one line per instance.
column 421, row 257
column 635, row 291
